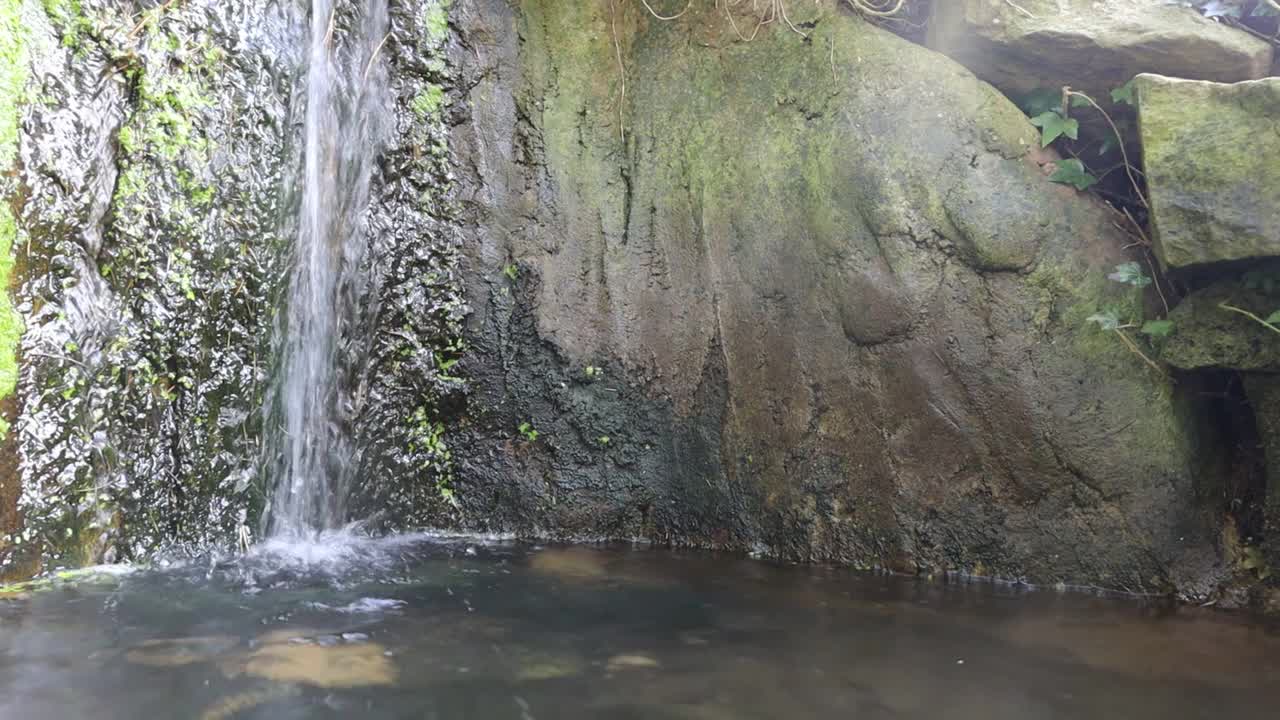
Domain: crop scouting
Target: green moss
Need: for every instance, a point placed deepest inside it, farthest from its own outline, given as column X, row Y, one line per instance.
column 1209, row 154
column 61, row 578
column 69, row 16
column 13, row 76
column 1092, row 294
column 13, row 80
column 427, row 104
column 436, row 18
column 10, row 321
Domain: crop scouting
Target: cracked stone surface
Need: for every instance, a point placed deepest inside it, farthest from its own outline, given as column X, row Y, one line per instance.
column 817, row 297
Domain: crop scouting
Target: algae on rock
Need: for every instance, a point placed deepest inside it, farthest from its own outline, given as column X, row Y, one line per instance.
column 1207, row 335
column 158, row 175
column 853, row 305
column 1211, row 154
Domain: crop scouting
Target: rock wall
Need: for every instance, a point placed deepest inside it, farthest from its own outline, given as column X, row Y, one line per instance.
column 810, row 296
column 155, row 190
column 801, row 289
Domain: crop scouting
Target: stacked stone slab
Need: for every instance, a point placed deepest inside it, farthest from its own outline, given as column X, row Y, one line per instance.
column 1212, row 159
column 1208, row 133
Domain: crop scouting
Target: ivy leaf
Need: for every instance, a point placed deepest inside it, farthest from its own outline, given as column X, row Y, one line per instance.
column 1072, row 172
column 1274, row 318
column 1108, row 319
column 1053, row 126
column 1078, row 101
column 1040, row 101
column 1130, row 273
column 1123, row 95
column 1157, row 328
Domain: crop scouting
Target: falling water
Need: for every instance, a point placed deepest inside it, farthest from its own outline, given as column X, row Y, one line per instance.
column 309, row 449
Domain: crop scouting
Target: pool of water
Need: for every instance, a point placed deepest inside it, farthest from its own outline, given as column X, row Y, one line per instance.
column 437, row 628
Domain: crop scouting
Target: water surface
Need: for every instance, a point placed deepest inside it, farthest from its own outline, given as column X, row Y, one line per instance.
column 461, row 628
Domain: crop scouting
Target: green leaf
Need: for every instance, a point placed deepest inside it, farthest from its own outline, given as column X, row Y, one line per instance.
column 1072, row 172
column 1079, row 101
column 1041, row 100
column 1108, row 319
column 1053, row 126
column 1123, row 95
column 526, row 429
column 1274, row 318
column 1130, row 273
column 1157, row 328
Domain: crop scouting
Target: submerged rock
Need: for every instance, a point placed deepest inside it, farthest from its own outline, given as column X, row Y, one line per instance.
column 316, row 665
column 842, row 313
column 1211, row 153
column 631, row 661
column 1089, row 45
column 181, row 651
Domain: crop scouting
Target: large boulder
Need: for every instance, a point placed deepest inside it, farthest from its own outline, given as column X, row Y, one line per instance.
column 1211, row 153
column 814, row 298
column 1090, row 45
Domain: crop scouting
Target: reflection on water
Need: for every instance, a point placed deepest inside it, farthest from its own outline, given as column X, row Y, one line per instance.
column 419, row 627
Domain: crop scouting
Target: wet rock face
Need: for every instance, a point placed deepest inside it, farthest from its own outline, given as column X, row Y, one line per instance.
column 773, row 296
column 151, row 168
column 799, row 304
column 1211, row 153
column 156, row 196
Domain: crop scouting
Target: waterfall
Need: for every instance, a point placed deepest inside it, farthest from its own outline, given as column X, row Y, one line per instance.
column 309, row 447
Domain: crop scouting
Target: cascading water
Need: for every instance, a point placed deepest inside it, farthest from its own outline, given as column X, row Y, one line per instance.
column 310, row 453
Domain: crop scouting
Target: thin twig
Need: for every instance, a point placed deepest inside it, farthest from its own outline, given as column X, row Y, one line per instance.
column 1068, row 93
column 154, row 13
column 866, row 8
column 373, row 58
column 1134, row 348
column 782, row 9
column 1250, row 315
column 1146, row 255
column 328, row 33
column 1136, row 226
column 63, row 358
column 729, row 14
column 665, row 17
column 1020, row 9
column 622, row 70
column 1155, row 278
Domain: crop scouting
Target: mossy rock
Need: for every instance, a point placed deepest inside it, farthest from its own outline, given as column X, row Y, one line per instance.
column 838, row 265
column 1207, row 335
column 1211, row 153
